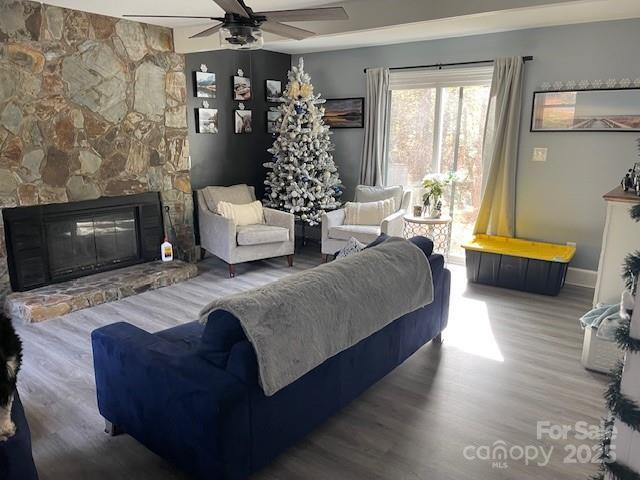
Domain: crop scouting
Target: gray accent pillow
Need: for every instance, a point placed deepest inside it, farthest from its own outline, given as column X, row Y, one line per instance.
column 353, row 246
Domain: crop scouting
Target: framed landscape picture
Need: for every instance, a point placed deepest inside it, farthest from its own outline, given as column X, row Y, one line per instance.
column 243, row 121
column 241, row 89
column 272, row 121
column 205, row 84
column 603, row 110
column 207, row 120
column 274, row 90
column 344, row 112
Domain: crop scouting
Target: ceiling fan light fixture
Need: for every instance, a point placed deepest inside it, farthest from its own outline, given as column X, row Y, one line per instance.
column 241, row 37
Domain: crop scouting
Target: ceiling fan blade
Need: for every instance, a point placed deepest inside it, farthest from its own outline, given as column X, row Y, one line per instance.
column 306, row 14
column 232, row 6
column 286, row 30
column 167, row 16
column 208, row 31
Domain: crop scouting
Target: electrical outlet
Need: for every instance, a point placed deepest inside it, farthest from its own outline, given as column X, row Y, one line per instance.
column 539, row 155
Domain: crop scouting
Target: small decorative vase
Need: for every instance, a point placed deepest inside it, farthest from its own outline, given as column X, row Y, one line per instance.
column 432, row 208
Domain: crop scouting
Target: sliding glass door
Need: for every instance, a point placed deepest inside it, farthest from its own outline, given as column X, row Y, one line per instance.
column 437, row 126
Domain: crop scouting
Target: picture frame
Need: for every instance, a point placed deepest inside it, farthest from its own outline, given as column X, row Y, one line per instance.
column 204, row 84
column 241, row 88
column 272, row 121
column 344, row 112
column 273, row 90
column 243, row 122
column 206, row 120
column 589, row 110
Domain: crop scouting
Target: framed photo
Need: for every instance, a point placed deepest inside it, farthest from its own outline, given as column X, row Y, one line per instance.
column 241, row 89
column 273, row 118
column 243, row 121
column 207, row 120
column 344, row 112
column 273, row 89
column 602, row 110
column 205, row 84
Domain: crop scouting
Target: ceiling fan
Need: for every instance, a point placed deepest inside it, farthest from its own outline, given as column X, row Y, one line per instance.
column 241, row 28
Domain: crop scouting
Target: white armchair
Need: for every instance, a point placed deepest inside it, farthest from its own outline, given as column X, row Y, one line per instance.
column 335, row 233
column 238, row 244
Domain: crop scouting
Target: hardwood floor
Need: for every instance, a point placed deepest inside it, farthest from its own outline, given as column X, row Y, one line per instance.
column 509, row 360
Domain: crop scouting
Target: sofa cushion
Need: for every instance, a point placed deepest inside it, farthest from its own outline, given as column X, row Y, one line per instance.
column 260, row 234
column 423, row 243
column 365, row 193
column 364, row 233
column 238, row 194
column 370, row 213
column 247, row 214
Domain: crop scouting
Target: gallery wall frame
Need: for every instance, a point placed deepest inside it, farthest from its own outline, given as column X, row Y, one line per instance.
column 206, row 120
column 204, row 84
column 344, row 112
column 242, row 91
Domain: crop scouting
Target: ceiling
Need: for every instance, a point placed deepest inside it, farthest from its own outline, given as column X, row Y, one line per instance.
column 374, row 22
column 117, row 8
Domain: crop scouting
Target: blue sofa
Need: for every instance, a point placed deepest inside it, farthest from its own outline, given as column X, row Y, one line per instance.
column 191, row 393
column 16, row 460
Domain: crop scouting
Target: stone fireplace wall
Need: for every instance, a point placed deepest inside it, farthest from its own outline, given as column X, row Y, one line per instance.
column 90, row 106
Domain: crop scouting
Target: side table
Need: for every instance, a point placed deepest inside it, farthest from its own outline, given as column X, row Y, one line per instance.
column 437, row 229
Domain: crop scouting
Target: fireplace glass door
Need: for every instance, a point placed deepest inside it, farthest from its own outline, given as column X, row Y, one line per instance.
column 91, row 242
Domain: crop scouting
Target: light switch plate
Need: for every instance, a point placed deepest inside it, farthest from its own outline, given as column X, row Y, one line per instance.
column 539, row 155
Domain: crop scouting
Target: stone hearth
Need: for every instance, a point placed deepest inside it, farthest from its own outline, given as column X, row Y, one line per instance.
column 62, row 298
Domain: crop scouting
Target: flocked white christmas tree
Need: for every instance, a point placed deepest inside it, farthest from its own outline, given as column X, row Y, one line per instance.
column 302, row 177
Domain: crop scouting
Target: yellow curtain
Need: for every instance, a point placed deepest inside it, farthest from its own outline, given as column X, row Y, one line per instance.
column 500, row 155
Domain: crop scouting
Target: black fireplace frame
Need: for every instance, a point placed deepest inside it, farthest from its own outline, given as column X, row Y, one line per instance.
column 26, row 236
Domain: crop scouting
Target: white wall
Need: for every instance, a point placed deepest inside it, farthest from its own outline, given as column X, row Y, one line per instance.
column 557, row 201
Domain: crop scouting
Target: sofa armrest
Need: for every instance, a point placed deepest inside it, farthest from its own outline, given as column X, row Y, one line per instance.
column 172, row 400
column 278, row 218
column 393, row 224
column 331, row 219
column 217, row 234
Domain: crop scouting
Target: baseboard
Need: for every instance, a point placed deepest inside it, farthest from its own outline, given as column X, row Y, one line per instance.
column 581, row 277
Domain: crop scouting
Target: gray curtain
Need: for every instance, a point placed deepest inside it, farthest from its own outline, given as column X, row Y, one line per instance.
column 372, row 166
column 500, row 151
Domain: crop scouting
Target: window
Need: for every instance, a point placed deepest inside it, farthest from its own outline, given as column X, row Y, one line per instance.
column 437, row 126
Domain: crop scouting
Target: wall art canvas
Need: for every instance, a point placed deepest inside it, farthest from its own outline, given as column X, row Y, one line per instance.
column 241, row 88
column 205, row 84
column 344, row 112
column 243, row 121
column 603, row 110
column 272, row 121
column 274, row 90
column 207, row 121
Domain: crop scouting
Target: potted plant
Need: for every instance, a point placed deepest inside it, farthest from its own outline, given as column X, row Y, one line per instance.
column 434, row 186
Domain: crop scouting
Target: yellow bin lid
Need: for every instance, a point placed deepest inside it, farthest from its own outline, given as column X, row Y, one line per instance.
column 517, row 247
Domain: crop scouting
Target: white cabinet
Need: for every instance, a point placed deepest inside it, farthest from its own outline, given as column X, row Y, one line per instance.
column 621, row 236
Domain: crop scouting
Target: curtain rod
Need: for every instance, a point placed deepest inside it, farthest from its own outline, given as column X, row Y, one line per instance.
column 527, row 58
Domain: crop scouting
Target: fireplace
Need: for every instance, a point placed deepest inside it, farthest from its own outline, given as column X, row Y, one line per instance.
column 59, row 242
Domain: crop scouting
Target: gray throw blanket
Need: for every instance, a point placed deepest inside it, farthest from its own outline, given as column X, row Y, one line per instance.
column 300, row 321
